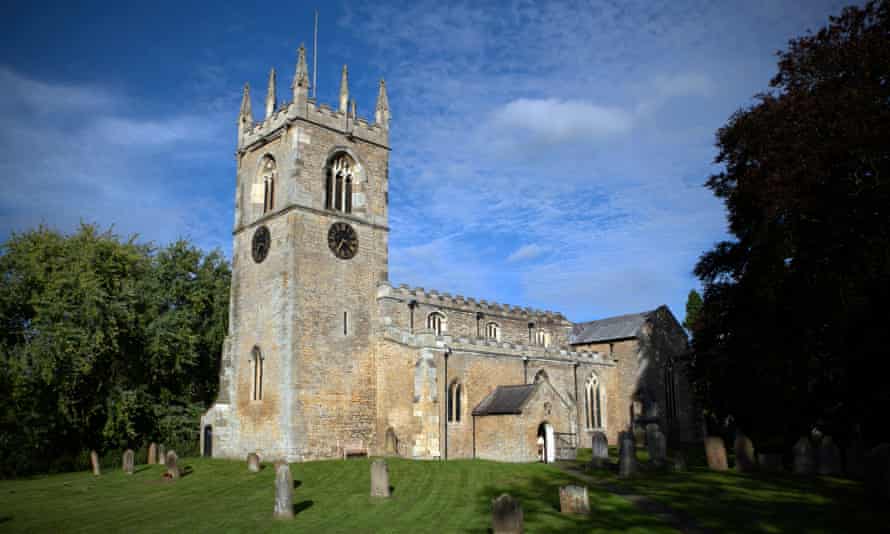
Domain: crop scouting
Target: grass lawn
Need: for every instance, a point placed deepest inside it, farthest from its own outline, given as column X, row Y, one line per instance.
column 331, row 496
column 758, row 502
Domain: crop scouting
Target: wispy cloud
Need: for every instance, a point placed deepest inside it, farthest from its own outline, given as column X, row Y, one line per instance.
column 552, row 121
column 526, row 252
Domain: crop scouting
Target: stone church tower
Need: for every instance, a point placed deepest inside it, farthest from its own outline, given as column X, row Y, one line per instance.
column 309, row 248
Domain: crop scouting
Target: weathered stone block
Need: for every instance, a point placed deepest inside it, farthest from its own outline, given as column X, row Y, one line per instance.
column 745, row 460
column 574, row 500
column 284, row 492
column 253, row 462
column 656, row 445
column 804, row 457
column 94, row 463
column 715, row 451
column 627, row 455
column 152, row 453
column 379, row 479
column 172, row 464
column 599, row 449
column 128, row 461
column 506, row 515
column 829, row 457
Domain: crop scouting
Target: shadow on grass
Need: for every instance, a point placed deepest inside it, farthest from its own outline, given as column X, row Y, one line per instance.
column 186, row 471
column 5, row 519
column 302, row 505
column 297, row 483
column 141, row 469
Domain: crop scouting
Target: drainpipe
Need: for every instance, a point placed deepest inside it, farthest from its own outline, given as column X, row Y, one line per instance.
column 447, row 400
column 474, row 437
column 525, row 369
column 577, row 404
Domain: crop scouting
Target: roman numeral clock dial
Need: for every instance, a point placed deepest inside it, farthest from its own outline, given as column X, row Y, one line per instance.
column 342, row 240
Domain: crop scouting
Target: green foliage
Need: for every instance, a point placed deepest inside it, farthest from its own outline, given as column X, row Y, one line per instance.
column 794, row 314
column 104, row 343
column 693, row 309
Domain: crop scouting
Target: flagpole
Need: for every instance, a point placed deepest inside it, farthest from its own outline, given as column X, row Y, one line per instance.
column 315, row 59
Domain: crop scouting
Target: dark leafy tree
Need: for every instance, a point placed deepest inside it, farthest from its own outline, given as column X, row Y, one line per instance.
column 794, row 321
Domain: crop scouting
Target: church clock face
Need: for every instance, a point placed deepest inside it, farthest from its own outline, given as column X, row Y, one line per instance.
column 260, row 244
column 342, row 240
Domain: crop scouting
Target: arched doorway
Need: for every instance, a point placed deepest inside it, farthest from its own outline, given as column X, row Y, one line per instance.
column 208, row 441
column 546, row 443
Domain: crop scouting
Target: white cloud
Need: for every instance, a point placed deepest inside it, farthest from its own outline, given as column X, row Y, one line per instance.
column 526, row 252
column 554, row 121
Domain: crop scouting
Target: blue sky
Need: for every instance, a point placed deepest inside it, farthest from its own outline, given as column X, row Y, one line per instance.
column 545, row 154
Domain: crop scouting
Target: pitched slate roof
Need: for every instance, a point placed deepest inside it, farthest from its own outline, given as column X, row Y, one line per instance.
column 620, row 327
column 505, row 400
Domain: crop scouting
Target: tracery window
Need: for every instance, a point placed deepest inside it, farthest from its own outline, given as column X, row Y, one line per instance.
column 267, row 171
column 339, row 180
column 256, row 364
column 493, row 331
column 454, row 402
column 436, row 322
column 594, row 403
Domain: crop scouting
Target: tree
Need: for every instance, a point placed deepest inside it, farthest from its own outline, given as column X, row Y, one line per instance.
column 693, row 309
column 104, row 343
column 793, row 318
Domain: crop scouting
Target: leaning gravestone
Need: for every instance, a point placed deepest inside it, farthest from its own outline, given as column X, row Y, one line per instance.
column 506, row 515
column 770, row 462
column 716, row 453
column 94, row 462
column 574, row 500
column 627, row 455
column 152, row 453
column 745, row 461
column 284, row 491
column 599, row 449
column 877, row 464
column 829, row 457
column 804, row 457
column 379, row 479
column 253, row 462
column 128, row 461
column 171, row 463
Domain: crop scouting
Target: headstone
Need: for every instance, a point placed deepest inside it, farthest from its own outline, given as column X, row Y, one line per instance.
column 506, row 515
column 716, row 453
column 627, row 455
column 599, row 449
column 284, row 491
column 94, row 462
column 678, row 462
column 171, row 463
column 877, row 465
column 128, row 461
column 745, row 461
column 253, row 462
column 804, row 457
column 574, row 500
column 379, row 479
column 770, row 462
column 656, row 444
column 829, row 457
column 152, row 453
column 162, row 454
column 855, row 460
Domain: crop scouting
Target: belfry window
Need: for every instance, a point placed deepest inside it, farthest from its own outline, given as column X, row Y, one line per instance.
column 454, row 401
column 493, row 331
column 339, row 180
column 256, row 364
column 436, row 322
column 593, row 403
column 267, row 171
column 542, row 338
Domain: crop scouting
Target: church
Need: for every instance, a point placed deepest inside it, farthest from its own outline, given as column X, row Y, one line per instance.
column 325, row 357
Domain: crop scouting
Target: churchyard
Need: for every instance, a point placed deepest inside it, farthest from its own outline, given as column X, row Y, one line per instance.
column 429, row 496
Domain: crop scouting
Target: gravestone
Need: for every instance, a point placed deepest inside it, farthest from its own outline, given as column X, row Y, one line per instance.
column 627, row 455
column 171, row 463
column 94, row 463
column 162, row 454
column 770, row 462
column 152, row 453
column 855, row 460
column 804, row 457
column 253, row 462
column 745, row 461
column 284, row 491
column 877, row 465
column 506, row 515
column 656, row 445
column 574, row 500
column 716, row 453
column 599, row 449
column 678, row 462
column 379, row 479
column 829, row 457
column 128, row 461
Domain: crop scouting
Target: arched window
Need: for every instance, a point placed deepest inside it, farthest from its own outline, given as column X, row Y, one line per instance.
column 256, row 364
column 436, row 322
column 493, row 331
column 594, row 403
column 339, row 180
column 542, row 338
column 454, row 402
column 267, row 172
